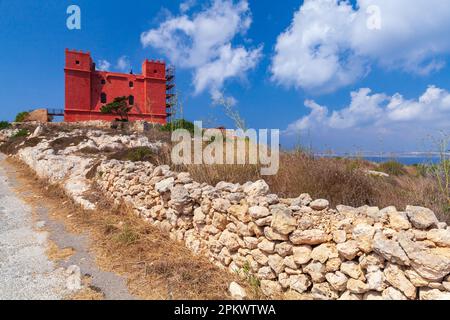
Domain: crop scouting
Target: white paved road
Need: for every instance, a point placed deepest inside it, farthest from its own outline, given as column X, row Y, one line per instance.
column 25, row 271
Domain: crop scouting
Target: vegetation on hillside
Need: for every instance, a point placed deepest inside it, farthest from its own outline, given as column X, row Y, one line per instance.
column 118, row 107
column 21, row 116
column 178, row 124
column 4, row 125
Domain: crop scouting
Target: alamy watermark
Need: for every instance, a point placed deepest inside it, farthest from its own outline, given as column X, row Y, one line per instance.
column 73, row 22
column 227, row 147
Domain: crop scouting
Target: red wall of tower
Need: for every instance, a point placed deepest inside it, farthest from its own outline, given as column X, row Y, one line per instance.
column 84, row 86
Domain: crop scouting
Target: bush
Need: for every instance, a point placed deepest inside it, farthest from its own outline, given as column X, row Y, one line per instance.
column 392, row 167
column 4, row 125
column 21, row 116
column 178, row 124
column 136, row 154
column 21, row 133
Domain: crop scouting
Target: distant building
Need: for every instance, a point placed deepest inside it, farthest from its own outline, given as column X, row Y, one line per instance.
column 88, row 89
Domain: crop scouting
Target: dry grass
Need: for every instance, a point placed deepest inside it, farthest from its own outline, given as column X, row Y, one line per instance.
column 56, row 254
column 341, row 181
column 62, row 143
column 155, row 267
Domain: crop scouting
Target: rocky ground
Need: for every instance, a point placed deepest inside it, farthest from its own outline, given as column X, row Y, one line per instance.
column 297, row 248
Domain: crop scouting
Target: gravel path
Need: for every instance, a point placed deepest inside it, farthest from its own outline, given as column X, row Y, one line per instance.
column 26, row 273
column 25, row 270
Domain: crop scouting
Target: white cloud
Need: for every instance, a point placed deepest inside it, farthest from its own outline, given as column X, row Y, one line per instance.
column 330, row 44
column 374, row 114
column 103, row 65
column 203, row 42
column 187, row 5
column 123, row 64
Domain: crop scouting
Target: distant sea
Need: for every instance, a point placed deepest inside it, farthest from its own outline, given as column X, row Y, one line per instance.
column 408, row 160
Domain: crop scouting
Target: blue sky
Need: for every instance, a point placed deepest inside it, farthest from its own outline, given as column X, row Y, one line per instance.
column 315, row 70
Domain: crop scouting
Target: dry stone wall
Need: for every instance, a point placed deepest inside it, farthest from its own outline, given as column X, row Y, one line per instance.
column 298, row 248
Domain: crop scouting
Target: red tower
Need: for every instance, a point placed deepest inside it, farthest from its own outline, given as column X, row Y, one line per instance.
column 87, row 90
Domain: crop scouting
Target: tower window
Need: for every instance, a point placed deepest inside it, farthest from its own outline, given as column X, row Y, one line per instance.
column 131, row 100
column 131, row 84
column 155, row 71
column 103, row 97
column 103, row 81
column 77, row 62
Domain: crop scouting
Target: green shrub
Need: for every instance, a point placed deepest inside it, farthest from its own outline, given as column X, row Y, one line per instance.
column 21, row 116
column 393, row 168
column 4, row 125
column 178, row 124
column 21, row 133
column 136, row 154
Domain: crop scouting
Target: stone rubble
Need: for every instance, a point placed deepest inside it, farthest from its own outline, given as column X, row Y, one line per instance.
column 298, row 248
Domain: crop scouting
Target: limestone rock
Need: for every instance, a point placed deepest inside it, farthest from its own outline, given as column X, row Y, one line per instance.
column 393, row 294
column 352, row 269
column 390, row 250
column 431, row 264
column 373, row 296
column 416, row 279
column 276, row 263
column 348, row 250
column 259, row 257
column 237, row 292
column 310, row 237
column 375, row 280
column 395, row 276
column 363, row 233
column 283, row 279
column 271, row 288
column 316, row 270
column 303, row 200
column 164, row 185
column 323, row 252
column 337, row 280
column 267, row 246
column 440, row 237
column 258, row 212
column 299, row 283
column 398, row 220
column 219, row 220
column 433, row 294
column 73, row 281
column 357, row 286
column 273, row 235
column 283, row 249
column 349, row 296
column 339, row 236
column 199, row 216
column 240, row 212
column 283, row 222
column 421, row 218
column 221, row 205
column 333, row 265
column 256, row 189
column 230, row 240
column 323, row 291
column 290, row 262
column 266, row 273
column 302, row 254
column 319, row 204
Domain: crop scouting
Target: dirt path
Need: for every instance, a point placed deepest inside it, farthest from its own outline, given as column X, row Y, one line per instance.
column 26, row 272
